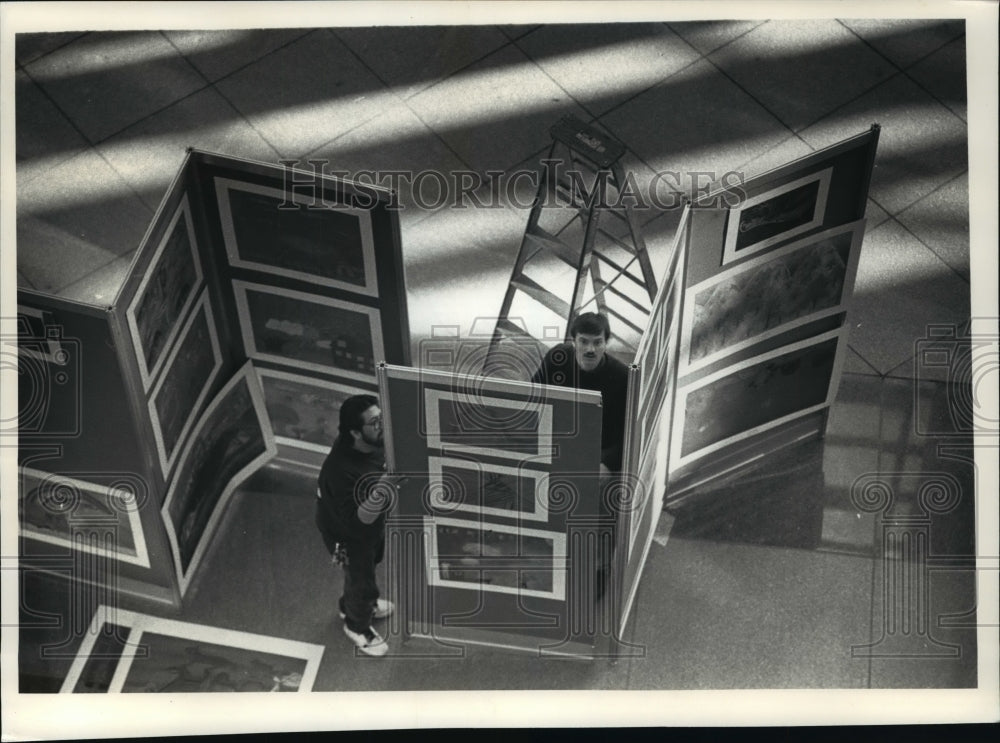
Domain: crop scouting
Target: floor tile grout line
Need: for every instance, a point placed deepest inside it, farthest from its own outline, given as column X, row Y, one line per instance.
column 941, row 185
column 916, row 237
column 50, row 99
column 721, row 46
column 233, row 107
column 78, row 279
column 867, row 363
column 43, row 55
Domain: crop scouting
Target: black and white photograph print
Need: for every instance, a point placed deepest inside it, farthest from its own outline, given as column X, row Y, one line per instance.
column 189, row 373
column 304, row 411
column 309, row 331
column 770, row 294
column 297, row 235
column 497, row 558
column 757, row 394
column 519, row 430
column 776, row 215
column 130, row 652
column 99, row 516
column 166, row 292
column 487, row 489
column 231, row 441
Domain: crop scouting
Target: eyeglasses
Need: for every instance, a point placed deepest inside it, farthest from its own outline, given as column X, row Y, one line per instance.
column 375, row 422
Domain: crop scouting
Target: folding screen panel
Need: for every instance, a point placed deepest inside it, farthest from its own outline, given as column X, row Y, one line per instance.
column 767, row 287
column 497, row 534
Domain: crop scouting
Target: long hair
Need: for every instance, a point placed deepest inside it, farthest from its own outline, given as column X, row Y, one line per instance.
column 352, row 412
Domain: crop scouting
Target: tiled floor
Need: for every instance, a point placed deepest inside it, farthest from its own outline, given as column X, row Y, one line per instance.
column 769, row 585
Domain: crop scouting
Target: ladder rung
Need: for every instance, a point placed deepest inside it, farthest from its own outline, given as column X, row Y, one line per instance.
column 541, row 295
column 624, row 319
column 606, row 287
column 547, row 241
column 617, row 240
column 620, row 270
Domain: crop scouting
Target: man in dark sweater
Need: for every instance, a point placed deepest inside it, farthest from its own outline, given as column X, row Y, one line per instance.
column 585, row 364
column 351, row 519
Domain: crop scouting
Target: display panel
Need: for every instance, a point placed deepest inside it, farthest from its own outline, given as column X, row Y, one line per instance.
column 126, row 651
column 497, row 558
column 458, row 421
column 768, row 295
column 53, row 508
column 309, row 331
column 763, row 392
column 776, row 215
column 189, row 373
column 298, row 236
column 231, row 441
column 487, row 489
column 304, row 411
column 166, row 292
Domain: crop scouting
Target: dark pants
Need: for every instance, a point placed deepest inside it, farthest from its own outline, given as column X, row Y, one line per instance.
column 360, row 589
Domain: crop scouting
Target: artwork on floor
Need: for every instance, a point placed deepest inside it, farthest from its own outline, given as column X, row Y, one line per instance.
column 297, row 235
column 776, row 215
column 770, row 294
column 477, row 424
column 304, row 411
column 165, row 294
column 487, row 489
column 126, row 651
column 189, row 373
column 497, row 558
column 100, row 516
column 308, row 331
column 755, row 395
column 231, row 440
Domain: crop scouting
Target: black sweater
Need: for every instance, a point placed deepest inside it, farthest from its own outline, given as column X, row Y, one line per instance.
column 610, row 378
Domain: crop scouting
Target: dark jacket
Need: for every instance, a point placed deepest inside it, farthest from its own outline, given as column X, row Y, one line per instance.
column 345, row 479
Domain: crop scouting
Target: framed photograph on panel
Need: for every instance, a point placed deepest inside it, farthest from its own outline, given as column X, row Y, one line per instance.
column 296, row 235
column 745, row 399
column 487, row 489
column 776, row 215
column 126, row 651
column 309, row 331
column 65, row 510
column 481, row 425
column 496, row 557
column 770, row 294
column 231, row 441
column 189, row 373
column 166, row 293
column 304, row 411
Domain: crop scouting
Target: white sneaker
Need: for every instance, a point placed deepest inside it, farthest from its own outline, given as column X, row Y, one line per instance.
column 369, row 642
column 383, row 609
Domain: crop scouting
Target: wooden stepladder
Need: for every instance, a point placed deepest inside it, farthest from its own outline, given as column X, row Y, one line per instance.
column 582, row 241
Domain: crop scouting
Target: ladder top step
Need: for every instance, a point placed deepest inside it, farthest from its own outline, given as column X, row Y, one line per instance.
column 593, row 144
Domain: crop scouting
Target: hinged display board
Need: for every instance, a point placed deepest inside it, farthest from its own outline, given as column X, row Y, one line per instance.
column 259, row 298
column 497, row 536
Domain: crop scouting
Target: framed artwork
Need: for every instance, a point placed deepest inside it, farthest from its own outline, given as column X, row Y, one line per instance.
column 770, row 294
column 166, row 293
column 126, row 651
column 487, row 489
column 298, row 236
column 776, row 215
column 755, row 395
column 497, row 558
column 481, row 425
column 309, row 331
column 189, row 373
column 231, row 440
column 304, row 411
column 54, row 508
